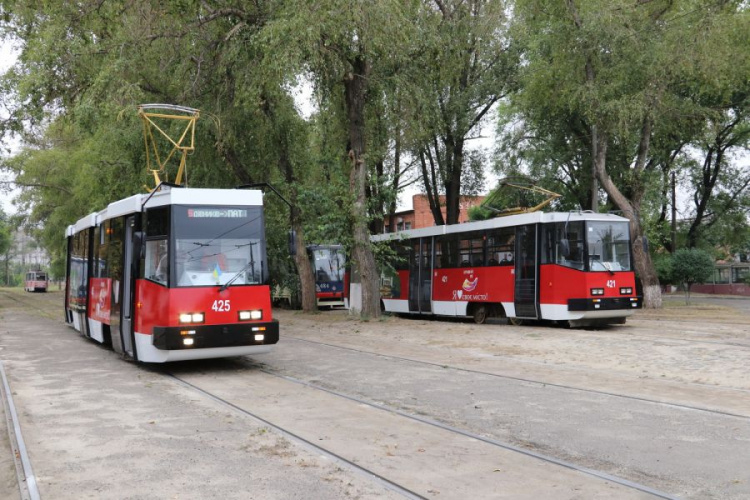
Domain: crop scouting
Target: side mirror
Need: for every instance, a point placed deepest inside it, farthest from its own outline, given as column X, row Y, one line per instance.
column 565, row 247
column 292, row 243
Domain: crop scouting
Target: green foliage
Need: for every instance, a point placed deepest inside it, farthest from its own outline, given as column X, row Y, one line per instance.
column 690, row 266
column 663, row 265
column 5, row 233
column 435, row 69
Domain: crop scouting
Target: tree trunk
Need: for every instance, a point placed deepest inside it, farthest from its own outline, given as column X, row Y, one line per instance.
column 453, row 184
column 430, row 183
column 304, row 268
column 595, row 158
column 355, row 89
column 644, row 266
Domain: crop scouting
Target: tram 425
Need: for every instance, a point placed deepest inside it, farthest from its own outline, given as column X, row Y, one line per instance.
column 573, row 268
column 177, row 274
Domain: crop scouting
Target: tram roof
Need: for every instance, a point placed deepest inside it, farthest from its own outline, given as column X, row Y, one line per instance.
column 170, row 196
column 508, row 221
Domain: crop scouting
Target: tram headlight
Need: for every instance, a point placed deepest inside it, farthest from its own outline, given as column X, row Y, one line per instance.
column 626, row 290
column 250, row 315
column 192, row 317
column 597, row 291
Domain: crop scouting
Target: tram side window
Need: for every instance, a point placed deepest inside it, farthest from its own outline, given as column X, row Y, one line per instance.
column 157, row 222
column 447, row 252
column 77, row 291
column 472, row 252
column 501, row 247
column 156, row 265
column 115, row 248
column 553, row 244
column 100, row 251
column 401, row 261
column 157, row 261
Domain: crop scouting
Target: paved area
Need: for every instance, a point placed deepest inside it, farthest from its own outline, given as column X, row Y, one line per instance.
column 663, row 402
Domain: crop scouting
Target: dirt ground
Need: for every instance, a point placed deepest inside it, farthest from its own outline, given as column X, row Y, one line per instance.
column 696, row 343
column 693, row 356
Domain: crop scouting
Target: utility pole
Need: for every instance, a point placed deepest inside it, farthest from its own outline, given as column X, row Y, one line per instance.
column 674, row 214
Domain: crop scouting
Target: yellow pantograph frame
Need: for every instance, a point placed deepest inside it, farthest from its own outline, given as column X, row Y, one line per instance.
column 158, row 168
column 551, row 196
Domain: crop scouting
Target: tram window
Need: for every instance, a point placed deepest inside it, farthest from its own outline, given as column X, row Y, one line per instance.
column 115, row 248
column 401, row 263
column 157, row 261
column 472, row 252
column 446, row 251
column 101, row 254
column 500, row 247
column 157, row 222
column 608, row 246
column 213, row 245
column 553, row 248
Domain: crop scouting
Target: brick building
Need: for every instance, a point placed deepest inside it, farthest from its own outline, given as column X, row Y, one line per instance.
column 421, row 215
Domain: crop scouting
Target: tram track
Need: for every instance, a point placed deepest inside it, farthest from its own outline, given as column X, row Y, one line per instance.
column 381, row 479
column 532, row 381
column 290, row 435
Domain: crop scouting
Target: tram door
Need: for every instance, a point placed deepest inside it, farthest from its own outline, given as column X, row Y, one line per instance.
column 126, row 327
column 526, row 271
column 420, row 276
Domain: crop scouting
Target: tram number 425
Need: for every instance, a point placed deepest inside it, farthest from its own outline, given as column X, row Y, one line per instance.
column 221, row 306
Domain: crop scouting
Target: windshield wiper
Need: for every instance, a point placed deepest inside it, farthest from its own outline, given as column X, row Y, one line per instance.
column 608, row 267
column 231, row 280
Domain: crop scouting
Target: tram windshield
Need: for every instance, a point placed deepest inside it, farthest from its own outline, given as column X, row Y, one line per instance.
column 329, row 264
column 215, row 244
column 608, row 246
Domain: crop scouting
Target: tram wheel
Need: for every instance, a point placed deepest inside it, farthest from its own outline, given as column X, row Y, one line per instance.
column 515, row 321
column 480, row 314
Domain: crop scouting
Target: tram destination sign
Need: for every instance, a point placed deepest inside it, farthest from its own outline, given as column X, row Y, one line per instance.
column 217, row 213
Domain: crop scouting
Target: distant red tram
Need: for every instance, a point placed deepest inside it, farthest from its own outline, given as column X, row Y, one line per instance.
column 573, row 268
column 36, row 281
column 175, row 275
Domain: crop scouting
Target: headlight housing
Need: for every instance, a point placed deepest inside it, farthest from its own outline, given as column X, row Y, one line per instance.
column 255, row 314
column 196, row 317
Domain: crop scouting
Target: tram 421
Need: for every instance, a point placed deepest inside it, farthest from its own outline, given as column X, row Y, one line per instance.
column 572, row 268
column 176, row 274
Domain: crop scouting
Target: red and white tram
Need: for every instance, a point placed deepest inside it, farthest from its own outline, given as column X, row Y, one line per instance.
column 565, row 267
column 177, row 274
column 36, row 281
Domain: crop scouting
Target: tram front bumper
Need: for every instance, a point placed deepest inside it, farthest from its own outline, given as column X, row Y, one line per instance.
column 171, row 338
column 605, row 304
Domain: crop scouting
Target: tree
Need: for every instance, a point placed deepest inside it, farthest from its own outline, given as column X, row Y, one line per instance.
column 5, row 243
column 349, row 49
column 464, row 65
column 623, row 71
column 80, row 127
column 690, row 266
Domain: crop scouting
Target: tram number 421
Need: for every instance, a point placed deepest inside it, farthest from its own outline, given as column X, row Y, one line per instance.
column 610, row 284
column 221, row 306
